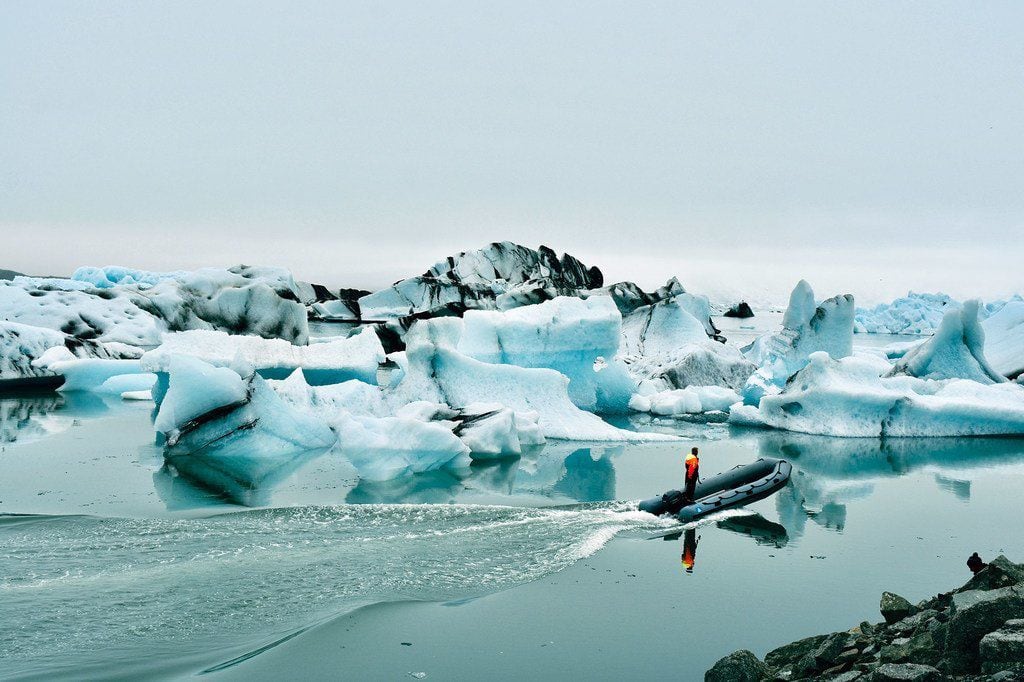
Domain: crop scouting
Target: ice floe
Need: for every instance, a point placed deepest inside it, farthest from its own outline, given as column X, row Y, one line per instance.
column 333, row 361
column 910, row 314
column 1004, row 339
column 850, row 397
column 956, row 351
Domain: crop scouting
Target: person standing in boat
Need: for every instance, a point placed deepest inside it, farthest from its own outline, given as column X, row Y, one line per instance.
column 692, row 464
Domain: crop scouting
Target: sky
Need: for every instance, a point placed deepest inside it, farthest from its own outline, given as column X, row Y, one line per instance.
column 871, row 148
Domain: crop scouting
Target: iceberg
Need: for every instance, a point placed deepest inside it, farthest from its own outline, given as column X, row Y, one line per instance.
column 806, row 328
column 114, row 306
column 849, row 397
column 335, row 361
column 27, row 352
column 436, row 371
column 578, row 338
column 956, row 351
column 231, row 433
column 689, row 400
column 489, row 430
column 911, row 314
column 383, row 448
column 666, row 346
column 475, row 280
column 1004, row 339
column 739, row 310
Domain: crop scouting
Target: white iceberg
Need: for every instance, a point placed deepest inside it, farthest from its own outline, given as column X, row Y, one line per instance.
column 475, row 280
column 956, row 351
column 683, row 401
column 850, row 398
column 578, row 338
column 1004, row 339
column 911, row 314
column 231, row 433
column 437, row 372
column 28, row 354
column 117, row 307
column 806, row 328
column 382, row 448
column 330, row 362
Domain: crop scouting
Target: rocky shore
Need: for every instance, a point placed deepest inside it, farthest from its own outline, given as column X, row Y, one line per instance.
column 973, row 633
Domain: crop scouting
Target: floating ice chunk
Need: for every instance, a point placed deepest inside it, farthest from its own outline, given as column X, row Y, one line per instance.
column 660, row 329
column 113, row 275
column 28, row 353
column 690, row 400
column 242, row 300
column 956, row 351
column 475, row 279
column 101, row 376
column 848, row 397
column 437, row 372
column 806, row 328
column 194, row 389
column 576, row 337
column 911, row 314
column 355, row 397
column 335, row 361
column 232, row 434
column 1004, row 339
column 384, row 448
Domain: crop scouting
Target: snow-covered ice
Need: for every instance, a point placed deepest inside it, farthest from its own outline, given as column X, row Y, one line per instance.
column 956, row 351
column 689, row 400
column 1004, row 339
column 849, row 397
column 333, row 361
column 806, row 328
column 578, row 338
column 116, row 307
column 910, row 314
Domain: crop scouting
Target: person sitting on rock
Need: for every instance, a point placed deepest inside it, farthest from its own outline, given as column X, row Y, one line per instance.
column 975, row 563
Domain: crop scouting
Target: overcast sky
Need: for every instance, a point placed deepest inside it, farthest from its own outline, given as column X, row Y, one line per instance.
column 868, row 147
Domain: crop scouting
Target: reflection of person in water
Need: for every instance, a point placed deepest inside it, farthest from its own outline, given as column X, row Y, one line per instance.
column 692, row 464
column 690, row 541
column 975, row 563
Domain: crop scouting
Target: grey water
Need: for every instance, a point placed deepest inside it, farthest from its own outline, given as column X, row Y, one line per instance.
column 113, row 567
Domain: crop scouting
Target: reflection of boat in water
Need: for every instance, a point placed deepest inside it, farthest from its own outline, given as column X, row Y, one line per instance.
column 763, row 531
column 737, row 487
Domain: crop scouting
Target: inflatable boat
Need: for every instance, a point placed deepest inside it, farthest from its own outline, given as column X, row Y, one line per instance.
column 734, row 488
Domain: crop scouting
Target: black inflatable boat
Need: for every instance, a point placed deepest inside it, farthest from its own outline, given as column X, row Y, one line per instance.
column 734, row 488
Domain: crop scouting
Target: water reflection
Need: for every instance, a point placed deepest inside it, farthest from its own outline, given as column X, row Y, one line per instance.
column 761, row 530
column 33, row 416
column 830, row 472
column 249, row 481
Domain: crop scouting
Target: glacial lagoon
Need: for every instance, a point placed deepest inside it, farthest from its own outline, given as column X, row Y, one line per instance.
column 539, row 567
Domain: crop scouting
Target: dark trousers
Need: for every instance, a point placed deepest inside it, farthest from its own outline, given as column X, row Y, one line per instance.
column 690, row 489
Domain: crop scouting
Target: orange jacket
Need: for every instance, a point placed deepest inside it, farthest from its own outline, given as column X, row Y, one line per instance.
column 692, row 467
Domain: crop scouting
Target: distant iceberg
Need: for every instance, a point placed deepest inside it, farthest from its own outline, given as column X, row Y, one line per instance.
column 911, row 314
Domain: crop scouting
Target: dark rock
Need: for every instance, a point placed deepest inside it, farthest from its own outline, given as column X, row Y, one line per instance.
column 913, row 623
column 901, row 672
column 740, row 310
column 821, row 657
column 1000, row 649
column 919, row 649
column 895, row 608
column 739, row 666
column 1000, row 572
column 976, row 613
column 794, row 651
column 1015, row 673
column 848, row 676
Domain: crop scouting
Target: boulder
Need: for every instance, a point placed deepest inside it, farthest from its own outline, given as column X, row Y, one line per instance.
column 1001, row 649
column 794, row 651
column 975, row 613
column 900, row 672
column 922, row 648
column 741, row 310
column 823, row 656
column 895, row 608
column 739, row 666
column 1000, row 572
